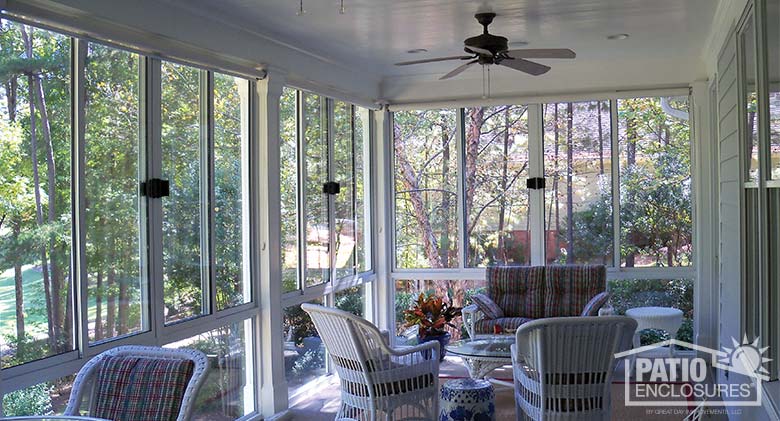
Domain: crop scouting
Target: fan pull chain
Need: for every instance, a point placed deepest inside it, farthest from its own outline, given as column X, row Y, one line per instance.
column 342, row 10
column 301, row 12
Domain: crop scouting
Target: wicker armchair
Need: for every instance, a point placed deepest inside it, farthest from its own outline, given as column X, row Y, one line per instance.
column 555, row 382
column 377, row 380
column 147, row 382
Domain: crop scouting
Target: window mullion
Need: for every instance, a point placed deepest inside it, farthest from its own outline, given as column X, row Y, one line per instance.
column 615, row 169
column 331, row 199
column 151, row 133
column 78, row 175
column 536, row 197
column 460, row 154
column 301, row 190
column 208, row 277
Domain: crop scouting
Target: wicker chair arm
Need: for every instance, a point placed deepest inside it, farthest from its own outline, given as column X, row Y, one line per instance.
column 407, row 350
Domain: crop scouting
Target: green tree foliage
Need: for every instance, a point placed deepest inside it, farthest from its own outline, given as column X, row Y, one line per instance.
column 35, row 172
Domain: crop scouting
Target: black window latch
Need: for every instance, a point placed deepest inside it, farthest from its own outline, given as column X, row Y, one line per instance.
column 155, row 188
column 535, row 183
column 331, row 187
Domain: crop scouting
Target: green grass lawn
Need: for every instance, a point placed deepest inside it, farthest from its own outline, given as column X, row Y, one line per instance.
column 34, row 302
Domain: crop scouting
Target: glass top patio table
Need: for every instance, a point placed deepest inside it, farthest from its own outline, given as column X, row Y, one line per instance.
column 483, row 347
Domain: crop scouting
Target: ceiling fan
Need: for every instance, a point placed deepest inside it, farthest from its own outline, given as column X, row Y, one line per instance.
column 488, row 49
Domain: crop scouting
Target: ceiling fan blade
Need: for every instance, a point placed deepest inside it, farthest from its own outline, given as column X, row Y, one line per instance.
column 542, row 53
column 525, row 66
column 480, row 51
column 458, row 70
column 431, row 60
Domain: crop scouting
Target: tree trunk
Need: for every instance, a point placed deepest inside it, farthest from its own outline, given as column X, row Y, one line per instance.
column 99, row 306
column 601, row 142
column 124, row 303
column 444, row 241
column 111, row 304
column 51, row 173
column 18, row 285
column 476, row 120
column 631, row 137
column 410, row 183
column 11, row 89
column 39, row 215
column 569, row 187
column 501, row 252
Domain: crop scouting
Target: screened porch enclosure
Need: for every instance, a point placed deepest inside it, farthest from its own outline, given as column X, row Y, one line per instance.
column 158, row 192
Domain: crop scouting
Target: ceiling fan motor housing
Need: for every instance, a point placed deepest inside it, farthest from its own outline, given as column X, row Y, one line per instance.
column 486, row 41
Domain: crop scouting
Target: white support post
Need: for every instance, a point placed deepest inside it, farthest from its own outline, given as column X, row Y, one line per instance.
column 384, row 285
column 536, row 197
column 703, row 153
column 265, row 156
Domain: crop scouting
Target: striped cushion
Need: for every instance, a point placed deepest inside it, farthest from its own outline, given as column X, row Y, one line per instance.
column 485, row 326
column 135, row 388
column 489, row 308
column 517, row 290
column 569, row 288
column 595, row 303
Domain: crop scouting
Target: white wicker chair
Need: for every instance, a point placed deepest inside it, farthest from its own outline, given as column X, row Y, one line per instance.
column 84, row 385
column 377, row 380
column 563, row 366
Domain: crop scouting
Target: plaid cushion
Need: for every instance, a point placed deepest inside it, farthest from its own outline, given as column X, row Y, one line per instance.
column 485, row 326
column 517, row 290
column 136, row 388
column 489, row 308
column 595, row 303
column 569, row 288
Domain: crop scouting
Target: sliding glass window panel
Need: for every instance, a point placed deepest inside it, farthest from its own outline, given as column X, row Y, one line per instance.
column 316, row 206
column 352, row 299
column 677, row 293
column 496, row 197
column 426, row 185
column 752, row 116
column 117, row 286
column 231, row 193
column 655, row 182
column 363, row 190
column 304, row 352
column 184, row 274
column 457, row 292
column 345, row 228
column 288, row 184
column 50, row 397
column 773, row 55
column 36, row 315
column 578, row 196
column 228, row 392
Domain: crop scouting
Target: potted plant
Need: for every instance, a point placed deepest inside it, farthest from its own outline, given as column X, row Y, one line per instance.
column 431, row 314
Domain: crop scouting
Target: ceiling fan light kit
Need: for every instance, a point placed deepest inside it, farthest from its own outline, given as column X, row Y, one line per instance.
column 488, row 49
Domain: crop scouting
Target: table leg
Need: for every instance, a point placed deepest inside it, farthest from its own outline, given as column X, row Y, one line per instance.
column 672, row 335
column 636, row 342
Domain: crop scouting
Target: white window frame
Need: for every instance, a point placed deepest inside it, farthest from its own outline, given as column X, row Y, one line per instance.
column 155, row 332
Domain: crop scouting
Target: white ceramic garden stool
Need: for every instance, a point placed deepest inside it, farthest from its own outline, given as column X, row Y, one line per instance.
column 467, row 400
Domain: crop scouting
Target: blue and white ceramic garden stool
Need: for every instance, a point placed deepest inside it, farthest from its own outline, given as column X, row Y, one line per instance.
column 467, row 400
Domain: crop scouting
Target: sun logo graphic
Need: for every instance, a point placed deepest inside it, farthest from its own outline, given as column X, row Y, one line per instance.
column 746, row 358
column 670, row 378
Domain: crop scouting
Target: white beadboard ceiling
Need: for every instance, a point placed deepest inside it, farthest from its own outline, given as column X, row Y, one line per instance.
column 374, row 34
